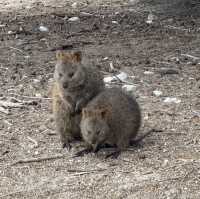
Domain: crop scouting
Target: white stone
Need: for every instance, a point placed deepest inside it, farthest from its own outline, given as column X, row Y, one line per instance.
column 172, row 100
column 43, row 29
column 73, row 19
column 157, row 93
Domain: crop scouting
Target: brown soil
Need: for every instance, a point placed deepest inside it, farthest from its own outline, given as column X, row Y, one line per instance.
column 167, row 163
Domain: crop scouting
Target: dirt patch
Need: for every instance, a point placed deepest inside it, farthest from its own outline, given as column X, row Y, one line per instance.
column 167, row 163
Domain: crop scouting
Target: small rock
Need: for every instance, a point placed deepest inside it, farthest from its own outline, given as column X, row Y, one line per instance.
column 150, row 19
column 43, row 29
column 38, row 95
column 74, row 5
column 85, row 14
column 10, row 32
column 108, row 79
column 129, row 88
column 172, row 100
column 115, row 22
column 165, row 162
column 148, row 72
column 157, row 93
column 122, row 76
column 36, row 81
column 74, row 19
column 105, row 58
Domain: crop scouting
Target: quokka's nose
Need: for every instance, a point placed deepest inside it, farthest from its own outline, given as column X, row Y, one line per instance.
column 65, row 85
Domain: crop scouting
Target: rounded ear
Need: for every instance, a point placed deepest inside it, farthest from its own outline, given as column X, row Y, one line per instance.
column 105, row 112
column 59, row 55
column 77, row 56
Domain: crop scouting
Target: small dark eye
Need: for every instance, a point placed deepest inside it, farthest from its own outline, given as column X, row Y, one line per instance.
column 71, row 74
column 60, row 74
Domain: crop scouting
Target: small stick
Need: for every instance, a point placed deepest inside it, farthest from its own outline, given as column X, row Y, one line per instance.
column 10, row 104
column 18, row 50
column 176, row 28
column 38, row 159
column 34, row 141
column 122, row 81
column 3, row 110
column 190, row 56
column 30, row 97
column 78, row 170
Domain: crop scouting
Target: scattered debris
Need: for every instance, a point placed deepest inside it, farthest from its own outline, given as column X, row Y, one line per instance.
column 43, row 29
column 157, row 93
column 172, row 100
column 74, row 19
column 10, row 104
column 150, row 18
column 168, row 71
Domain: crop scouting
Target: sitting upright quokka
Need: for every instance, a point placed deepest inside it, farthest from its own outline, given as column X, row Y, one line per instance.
column 113, row 118
column 74, row 86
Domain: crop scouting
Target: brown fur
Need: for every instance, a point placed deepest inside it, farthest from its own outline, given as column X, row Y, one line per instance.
column 111, row 117
column 82, row 84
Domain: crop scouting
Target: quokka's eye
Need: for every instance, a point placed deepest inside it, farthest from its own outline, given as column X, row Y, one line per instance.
column 71, row 74
column 60, row 74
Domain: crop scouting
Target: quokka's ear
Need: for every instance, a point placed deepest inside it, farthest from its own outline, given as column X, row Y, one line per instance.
column 60, row 55
column 86, row 112
column 77, row 56
column 69, row 57
column 105, row 112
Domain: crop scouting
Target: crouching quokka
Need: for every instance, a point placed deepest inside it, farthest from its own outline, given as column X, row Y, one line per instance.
column 113, row 118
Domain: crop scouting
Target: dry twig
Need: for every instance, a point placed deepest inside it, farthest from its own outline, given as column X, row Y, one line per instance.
column 37, row 159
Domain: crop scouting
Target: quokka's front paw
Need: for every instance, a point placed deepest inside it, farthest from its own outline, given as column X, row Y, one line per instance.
column 66, row 145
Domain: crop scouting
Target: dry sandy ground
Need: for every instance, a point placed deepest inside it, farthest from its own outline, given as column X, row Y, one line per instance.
column 166, row 165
